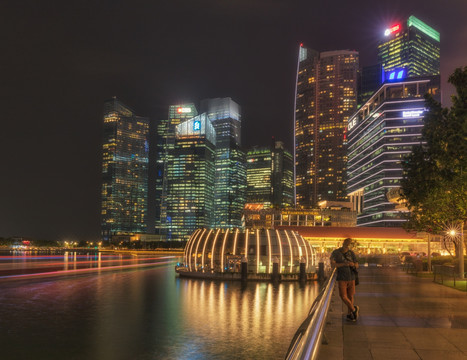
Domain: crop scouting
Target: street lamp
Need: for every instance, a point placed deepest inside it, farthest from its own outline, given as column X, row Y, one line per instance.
column 454, row 232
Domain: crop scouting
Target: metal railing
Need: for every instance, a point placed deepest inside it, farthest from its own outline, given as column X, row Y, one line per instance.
column 307, row 339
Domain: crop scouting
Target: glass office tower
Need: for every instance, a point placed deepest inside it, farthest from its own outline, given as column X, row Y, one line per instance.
column 124, row 170
column 380, row 134
column 166, row 142
column 230, row 183
column 259, row 176
column 412, row 45
column 270, row 176
column 190, row 178
column 370, row 78
column 326, row 96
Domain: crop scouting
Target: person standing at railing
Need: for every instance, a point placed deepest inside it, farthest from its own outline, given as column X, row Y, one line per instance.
column 345, row 261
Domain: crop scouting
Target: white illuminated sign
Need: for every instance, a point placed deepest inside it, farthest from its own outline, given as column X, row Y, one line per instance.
column 184, row 110
column 392, row 29
column 412, row 113
column 352, row 123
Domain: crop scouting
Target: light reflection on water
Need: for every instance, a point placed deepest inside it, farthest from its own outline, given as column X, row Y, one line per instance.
column 149, row 314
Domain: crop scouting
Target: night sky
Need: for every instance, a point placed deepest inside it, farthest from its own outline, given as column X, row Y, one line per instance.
column 62, row 59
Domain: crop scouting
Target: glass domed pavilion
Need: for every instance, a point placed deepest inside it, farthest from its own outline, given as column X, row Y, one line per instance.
column 218, row 251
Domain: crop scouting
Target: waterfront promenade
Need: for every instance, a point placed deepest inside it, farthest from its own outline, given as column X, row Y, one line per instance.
column 401, row 317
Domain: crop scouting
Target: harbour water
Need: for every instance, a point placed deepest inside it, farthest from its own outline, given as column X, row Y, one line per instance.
column 137, row 308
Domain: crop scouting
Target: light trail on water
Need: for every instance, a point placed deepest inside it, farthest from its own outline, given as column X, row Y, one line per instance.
column 89, row 270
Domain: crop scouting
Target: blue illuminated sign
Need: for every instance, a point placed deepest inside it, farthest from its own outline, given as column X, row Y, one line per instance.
column 197, row 126
column 397, row 74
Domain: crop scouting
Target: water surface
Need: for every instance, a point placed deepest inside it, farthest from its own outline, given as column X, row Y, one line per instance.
column 147, row 313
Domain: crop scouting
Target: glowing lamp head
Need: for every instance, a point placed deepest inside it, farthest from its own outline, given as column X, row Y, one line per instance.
column 452, row 232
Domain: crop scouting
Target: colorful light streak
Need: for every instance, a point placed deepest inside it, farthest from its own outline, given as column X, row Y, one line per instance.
column 94, row 261
column 67, row 272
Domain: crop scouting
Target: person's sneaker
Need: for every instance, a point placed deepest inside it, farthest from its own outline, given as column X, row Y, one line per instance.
column 355, row 312
column 350, row 317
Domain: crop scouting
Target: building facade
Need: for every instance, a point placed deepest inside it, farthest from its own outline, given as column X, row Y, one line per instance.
column 370, row 78
column 258, row 217
column 270, row 176
column 124, row 170
column 165, row 143
column 380, row 134
column 326, row 96
column 411, row 45
column 190, row 178
column 230, row 180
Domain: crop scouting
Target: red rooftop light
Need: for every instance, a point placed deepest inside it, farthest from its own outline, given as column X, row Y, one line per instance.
column 392, row 29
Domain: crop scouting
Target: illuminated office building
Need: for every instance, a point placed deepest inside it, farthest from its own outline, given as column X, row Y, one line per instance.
column 166, row 142
column 230, row 181
column 270, row 176
column 259, row 176
column 124, row 170
column 380, row 134
column 412, row 45
column 326, row 96
column 369, row 80
column 190, row 178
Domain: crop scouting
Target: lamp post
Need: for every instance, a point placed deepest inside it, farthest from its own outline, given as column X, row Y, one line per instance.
column 461, row 252
column 454, row 233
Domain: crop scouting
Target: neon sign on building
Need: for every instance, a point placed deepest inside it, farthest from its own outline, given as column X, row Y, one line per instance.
column 392, row 29
column 352, row 123
column 412, row 113
column 183, row 110
column 397, row 74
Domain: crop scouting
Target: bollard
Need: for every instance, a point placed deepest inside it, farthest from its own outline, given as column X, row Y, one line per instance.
column 244, row 269
column 321, row 272
column 302, row 270
column 275, row 277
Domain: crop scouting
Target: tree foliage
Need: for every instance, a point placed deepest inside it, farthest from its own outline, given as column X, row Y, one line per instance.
column 435, row 173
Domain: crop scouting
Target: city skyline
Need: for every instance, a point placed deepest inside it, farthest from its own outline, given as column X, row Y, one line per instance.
column 64, row 70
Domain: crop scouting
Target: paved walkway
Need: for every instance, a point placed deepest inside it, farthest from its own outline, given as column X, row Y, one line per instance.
column 401, row 317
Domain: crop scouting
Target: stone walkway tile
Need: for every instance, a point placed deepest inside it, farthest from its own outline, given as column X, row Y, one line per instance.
column 382, row 335
column 426, row 339
column 352, row 334
column 410, row 321
column 330, row 352
column 375, row 321
column 441, row 354
column 439, row 322
column 394, row 354
column 457, row 337
column 396, row 344
column 459, row 321
column 357, row 352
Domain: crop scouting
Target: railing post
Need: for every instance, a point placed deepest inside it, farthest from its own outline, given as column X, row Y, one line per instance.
column 321, row 272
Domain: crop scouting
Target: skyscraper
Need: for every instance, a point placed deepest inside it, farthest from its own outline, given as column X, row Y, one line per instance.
column 370, row 79
column 411, row 45
column 190, row 178
column 124, row 170
column 282, row 176
column 259, row 176
column 380, row 134
column 230, row 182
column 165, row 143
column 326, row 96
column 270, row 176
